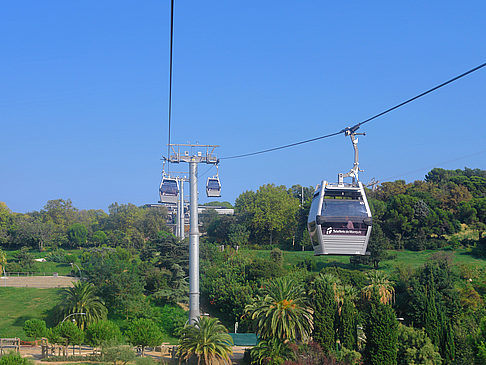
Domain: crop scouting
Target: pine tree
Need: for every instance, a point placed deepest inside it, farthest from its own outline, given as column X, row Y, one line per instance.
column 381, row 330
column 325, row 309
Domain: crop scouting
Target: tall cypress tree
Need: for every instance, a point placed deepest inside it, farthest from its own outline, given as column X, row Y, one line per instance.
column 325, row 309
column 447, row 347
column 381, row 330
column 347, row 326
column 431, row 319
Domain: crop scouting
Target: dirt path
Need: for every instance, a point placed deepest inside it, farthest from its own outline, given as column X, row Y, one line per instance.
column 41, row 282
column 34, row 352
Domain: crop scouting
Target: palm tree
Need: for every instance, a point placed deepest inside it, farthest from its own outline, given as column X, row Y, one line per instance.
column 333, row 281
column 81, row 298
column 384, row 287
column 345, row 292
column 283, row 311
column 207, row 340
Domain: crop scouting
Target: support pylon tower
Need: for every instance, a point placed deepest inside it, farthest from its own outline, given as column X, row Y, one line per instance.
column 193, row 154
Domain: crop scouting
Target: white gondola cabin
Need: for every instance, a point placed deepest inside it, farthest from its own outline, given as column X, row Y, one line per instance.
column 339, row 220
column 169, row 190
column 213, row 187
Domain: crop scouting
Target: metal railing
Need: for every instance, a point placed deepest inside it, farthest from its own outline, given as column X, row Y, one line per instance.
column 33, row 273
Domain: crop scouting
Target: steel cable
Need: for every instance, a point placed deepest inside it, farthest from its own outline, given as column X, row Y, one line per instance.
column 356, row 126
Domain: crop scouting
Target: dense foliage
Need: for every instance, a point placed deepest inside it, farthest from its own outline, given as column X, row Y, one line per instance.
column 134, row 272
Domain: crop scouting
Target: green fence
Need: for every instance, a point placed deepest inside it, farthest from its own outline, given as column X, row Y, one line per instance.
column 244, row 339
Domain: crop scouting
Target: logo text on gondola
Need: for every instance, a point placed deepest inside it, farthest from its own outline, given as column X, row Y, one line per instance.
column 331, row 230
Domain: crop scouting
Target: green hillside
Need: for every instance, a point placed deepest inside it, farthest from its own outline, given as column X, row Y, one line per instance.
column 18, row 305
column 396, row 259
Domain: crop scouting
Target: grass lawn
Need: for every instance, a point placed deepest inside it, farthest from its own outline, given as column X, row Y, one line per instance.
column 51, row 267
column 40, row 254
column 18, row 305
column 403, row 258
column 48, row 268
column 415, row 259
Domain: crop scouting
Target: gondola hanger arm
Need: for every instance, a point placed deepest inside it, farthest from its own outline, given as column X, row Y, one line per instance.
column 354, row 172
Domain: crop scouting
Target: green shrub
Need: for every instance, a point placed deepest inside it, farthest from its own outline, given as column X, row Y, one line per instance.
column 277, row 256
column 58, row 256
column 14, row 358
column 172, row 319
column 348, row 356
column 307, row 263
column 143, row 332
column 102, row 331
column 13, row 267
column 144, row 361
column 414, row 347
column 71, row 258
column 112, row 351
column 260, row 269
column 35, row 328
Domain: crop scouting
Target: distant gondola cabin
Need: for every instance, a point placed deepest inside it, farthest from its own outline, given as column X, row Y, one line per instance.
column 169, row 190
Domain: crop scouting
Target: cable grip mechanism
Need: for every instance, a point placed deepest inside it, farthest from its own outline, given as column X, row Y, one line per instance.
column 353, row 173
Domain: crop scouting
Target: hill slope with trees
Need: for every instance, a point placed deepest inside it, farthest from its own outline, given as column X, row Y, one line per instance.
column 135, row 272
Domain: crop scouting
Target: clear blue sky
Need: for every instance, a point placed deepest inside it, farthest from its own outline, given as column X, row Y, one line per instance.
column 84, row 89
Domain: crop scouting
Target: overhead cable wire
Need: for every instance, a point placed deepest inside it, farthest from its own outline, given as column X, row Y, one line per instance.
column 205, row 172
column 281, row 147
column 406, row 173
column 422, row 94
column 170, row 73
column 356, row 126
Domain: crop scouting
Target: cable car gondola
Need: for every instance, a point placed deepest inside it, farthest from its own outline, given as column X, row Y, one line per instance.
column 213, row 186
column 340, row 219
column 169, row 190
